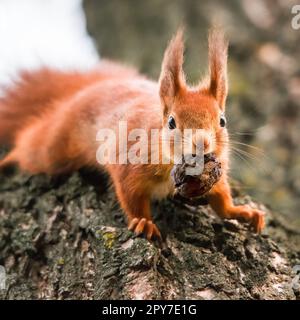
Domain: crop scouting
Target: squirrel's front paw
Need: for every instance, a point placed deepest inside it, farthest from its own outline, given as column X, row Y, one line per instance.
column 143, row 226
column 246, row 213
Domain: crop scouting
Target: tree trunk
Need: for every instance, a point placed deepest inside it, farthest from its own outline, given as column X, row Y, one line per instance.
column 67, row 239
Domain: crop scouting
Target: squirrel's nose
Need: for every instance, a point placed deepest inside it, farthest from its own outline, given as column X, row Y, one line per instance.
column 206, row 145
column 204, row 141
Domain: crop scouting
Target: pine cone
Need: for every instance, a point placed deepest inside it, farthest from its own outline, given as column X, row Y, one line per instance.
column 193, row 186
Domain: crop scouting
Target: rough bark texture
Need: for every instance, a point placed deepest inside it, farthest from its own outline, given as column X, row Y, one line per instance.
column 65, row 239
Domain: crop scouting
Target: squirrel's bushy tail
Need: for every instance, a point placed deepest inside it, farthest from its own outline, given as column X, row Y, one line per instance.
column 35, row 92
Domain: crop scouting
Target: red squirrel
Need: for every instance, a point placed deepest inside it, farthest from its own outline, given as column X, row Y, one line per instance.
column 50, row 118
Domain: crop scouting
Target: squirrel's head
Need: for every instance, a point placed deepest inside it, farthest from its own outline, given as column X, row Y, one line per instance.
column 200, row 107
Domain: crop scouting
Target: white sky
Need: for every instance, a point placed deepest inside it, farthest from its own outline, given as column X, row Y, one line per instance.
column 43, row 32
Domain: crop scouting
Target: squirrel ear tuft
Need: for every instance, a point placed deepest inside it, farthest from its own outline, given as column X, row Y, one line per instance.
column 217, row 55
column 172, row 77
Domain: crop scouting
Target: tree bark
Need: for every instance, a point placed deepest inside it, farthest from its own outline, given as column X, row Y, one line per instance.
column 65, row 238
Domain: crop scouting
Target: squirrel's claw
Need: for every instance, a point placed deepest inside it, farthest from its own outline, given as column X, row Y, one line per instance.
column 143, row 226
column 258, row 220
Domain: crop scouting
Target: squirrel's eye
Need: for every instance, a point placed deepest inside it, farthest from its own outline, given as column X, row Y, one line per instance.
column 171, row 123
column 222, row 121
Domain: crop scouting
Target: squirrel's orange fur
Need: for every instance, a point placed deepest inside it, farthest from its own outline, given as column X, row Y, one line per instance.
column 51, row 119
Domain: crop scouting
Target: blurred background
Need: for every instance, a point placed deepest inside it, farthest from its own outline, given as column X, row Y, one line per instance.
column 263, row 108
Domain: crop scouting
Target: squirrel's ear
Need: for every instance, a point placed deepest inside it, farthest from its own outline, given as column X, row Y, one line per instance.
column 217, row 54
column 172, row 77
